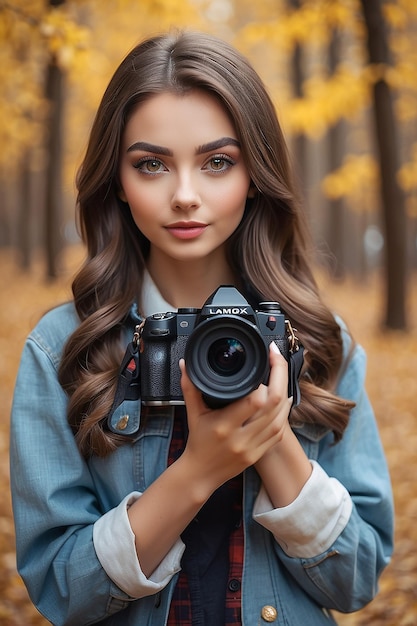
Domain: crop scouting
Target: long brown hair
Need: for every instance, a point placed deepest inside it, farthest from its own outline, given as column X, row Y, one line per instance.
column 270, row 248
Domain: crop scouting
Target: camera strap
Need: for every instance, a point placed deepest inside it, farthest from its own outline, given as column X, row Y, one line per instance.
column 295, row 361
column 127, row 389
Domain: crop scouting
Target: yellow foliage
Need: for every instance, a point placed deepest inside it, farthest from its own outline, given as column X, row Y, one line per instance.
column 313, row 23
column 407, row 175
column 402, row 78
column 395, row 14
column 33, row 33
column 327, row 100
column 406, row 107
column 399, row 12
column 139, row 19
column 22, row 107
column 353, row 180
column 64, row 36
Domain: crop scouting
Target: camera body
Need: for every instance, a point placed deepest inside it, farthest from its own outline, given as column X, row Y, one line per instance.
column 225, row 345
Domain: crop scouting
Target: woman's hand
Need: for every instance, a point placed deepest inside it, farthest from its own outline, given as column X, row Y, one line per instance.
column 224, row 442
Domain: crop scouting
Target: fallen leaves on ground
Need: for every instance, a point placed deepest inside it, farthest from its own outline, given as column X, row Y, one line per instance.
column 391, row 383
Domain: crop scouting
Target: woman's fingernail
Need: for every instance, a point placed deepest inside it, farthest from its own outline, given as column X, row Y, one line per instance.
column 274, row 347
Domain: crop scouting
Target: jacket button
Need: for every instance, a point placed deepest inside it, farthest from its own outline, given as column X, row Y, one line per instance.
column 269, row 613
column 234, row 585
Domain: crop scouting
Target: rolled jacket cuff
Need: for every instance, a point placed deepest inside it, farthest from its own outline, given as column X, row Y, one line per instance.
column 114, row 543
column 313, row 521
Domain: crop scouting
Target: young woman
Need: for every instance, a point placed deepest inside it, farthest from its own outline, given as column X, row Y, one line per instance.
column 245, row 514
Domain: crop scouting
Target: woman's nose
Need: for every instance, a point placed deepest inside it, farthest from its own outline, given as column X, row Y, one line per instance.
column 185, row 196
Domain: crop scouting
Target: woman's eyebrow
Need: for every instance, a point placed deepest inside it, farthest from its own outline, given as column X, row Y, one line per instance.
column 150, row 147
column 144, row 146
column 216, row 144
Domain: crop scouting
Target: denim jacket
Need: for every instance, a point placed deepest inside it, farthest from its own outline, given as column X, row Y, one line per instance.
column 58, row 497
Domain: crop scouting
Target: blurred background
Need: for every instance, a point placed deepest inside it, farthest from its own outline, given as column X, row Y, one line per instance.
column 343, row 76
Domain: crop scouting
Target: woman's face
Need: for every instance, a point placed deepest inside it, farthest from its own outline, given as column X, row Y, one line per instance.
column 183, row 176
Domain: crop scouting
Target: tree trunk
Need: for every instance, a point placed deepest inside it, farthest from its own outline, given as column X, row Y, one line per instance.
column 300, row 140
column 53, row 197
column 336, row 208
column 24, row 217
column 394, row 215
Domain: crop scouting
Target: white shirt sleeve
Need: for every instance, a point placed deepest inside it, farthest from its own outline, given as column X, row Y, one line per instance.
column 312, row 522
column 114, row 543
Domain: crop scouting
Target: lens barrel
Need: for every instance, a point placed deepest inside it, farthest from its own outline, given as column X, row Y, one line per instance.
column 226, row 358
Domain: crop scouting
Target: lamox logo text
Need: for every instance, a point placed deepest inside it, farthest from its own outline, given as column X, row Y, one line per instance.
column 229, row 311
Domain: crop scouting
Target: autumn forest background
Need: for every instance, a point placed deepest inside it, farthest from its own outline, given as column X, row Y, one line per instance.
column 343, row 76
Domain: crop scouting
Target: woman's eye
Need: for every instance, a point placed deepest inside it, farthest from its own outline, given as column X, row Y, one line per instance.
column 150, row 166
column 219, row 163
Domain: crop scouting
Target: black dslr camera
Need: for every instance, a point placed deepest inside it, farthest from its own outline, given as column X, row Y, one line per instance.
column 225, row 346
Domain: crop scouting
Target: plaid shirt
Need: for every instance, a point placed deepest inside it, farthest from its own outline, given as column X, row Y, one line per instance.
column 181, row 606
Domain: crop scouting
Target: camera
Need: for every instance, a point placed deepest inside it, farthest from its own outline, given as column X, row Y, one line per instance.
column 225, row 345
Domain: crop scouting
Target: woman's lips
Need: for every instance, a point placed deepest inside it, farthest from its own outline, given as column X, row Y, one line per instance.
column 186, row 230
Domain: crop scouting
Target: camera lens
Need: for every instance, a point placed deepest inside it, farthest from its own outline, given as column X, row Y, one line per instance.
column 226, row 356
